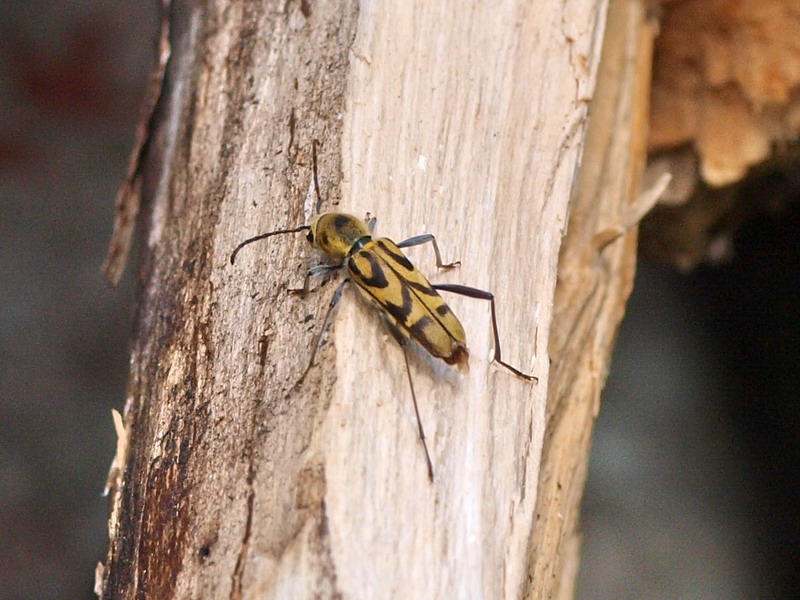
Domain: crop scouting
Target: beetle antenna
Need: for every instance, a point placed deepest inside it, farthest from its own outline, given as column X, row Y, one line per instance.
column 264, row 236
column 314, row 144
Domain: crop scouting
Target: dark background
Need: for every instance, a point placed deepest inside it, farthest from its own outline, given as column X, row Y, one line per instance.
column 694, row 482
column 71, row 78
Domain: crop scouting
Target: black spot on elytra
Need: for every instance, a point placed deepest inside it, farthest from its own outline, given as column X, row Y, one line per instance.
column 417, row 331
column 377, row 279
column 423, row 289
column 398, row 257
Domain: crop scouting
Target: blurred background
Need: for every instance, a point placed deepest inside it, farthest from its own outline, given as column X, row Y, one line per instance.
column 693, row 490
column 72, row 76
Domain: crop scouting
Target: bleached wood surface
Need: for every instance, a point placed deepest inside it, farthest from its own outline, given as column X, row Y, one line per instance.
column 596, row 271
column 465, row 120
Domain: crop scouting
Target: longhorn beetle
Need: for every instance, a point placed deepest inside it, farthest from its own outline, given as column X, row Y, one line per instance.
column 407, row 303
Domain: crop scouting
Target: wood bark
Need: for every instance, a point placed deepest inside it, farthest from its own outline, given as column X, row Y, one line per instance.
column 466, row 120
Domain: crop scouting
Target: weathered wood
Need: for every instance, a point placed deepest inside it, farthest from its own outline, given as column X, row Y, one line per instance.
column 465, row 120
column 595, row 280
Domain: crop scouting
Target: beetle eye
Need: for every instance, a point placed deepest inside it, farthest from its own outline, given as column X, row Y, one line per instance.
column 310, row 237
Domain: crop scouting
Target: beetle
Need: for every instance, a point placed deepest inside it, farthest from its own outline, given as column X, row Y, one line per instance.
column 406, row 301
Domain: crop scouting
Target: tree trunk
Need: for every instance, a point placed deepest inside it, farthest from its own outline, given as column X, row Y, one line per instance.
column 465, row 120
column 595, row 278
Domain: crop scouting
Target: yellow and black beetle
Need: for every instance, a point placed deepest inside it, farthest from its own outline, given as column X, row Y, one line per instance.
column 407, row 302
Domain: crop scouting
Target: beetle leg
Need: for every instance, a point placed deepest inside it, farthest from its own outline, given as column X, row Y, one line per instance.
column 403, row 341
column 325, row 269
column 371, row 223
column 418, row 240
column 337, row 295
column 483, row 295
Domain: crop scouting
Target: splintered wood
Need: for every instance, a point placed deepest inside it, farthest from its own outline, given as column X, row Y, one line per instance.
column 726, row 80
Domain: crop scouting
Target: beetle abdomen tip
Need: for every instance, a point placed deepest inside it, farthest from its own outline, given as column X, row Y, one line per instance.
column 460, row 358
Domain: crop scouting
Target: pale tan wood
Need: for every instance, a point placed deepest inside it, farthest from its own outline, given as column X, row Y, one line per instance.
column 466, row 120
column 595, row 279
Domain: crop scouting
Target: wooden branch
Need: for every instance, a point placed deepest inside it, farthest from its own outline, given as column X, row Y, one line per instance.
column 463, row 120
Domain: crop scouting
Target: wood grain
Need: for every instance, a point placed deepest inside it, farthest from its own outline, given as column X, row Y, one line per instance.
column 595, row 280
